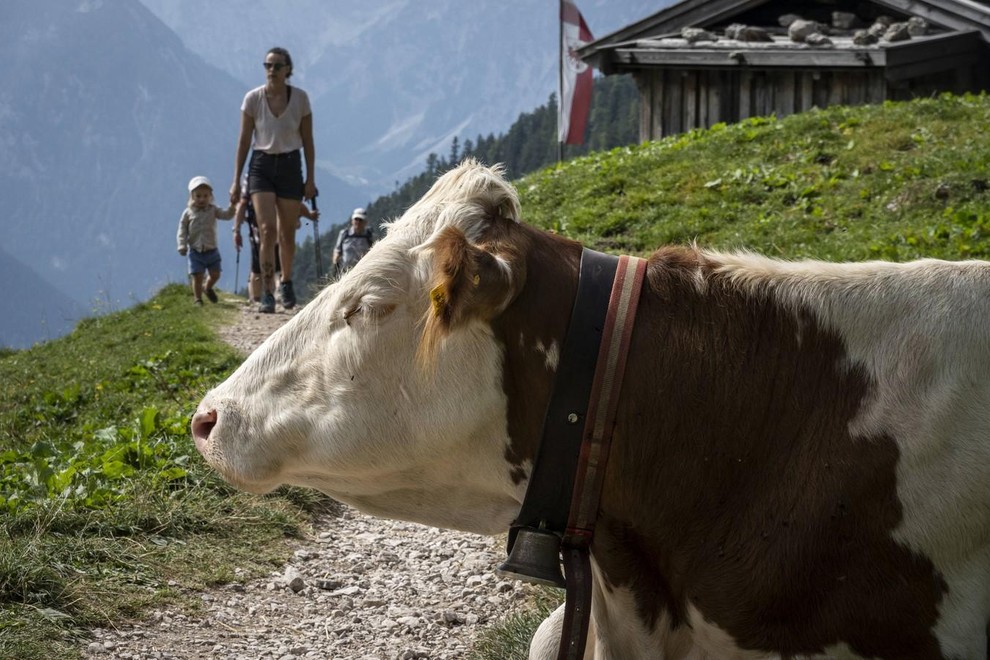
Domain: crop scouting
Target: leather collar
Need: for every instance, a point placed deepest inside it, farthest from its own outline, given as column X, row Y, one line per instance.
column 562, row 499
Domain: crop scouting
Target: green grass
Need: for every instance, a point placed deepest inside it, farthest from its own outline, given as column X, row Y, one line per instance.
column 509, row 640
column 896, row 181
column 105, row 509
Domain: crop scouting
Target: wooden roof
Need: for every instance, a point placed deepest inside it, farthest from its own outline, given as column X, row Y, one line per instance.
column 918, row 56
column 957, row 15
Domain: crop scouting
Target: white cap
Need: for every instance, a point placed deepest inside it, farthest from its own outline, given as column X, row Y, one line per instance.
column 358, row 213
column 198, row 181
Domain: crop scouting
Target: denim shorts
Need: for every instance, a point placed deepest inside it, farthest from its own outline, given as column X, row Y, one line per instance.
column 203, row 261
column 277, row 173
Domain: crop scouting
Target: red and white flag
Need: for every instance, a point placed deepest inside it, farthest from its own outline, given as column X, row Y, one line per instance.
column 575, row 76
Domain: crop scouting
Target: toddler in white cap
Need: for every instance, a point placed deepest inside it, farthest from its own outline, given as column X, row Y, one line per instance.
column 197, row 237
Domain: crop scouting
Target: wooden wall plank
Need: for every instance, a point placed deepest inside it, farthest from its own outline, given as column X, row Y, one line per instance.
column 659, row 129
column 673, row 103
column 806, row 98
column 876, row 92
column 745, row 89
column 784, row 90
column 704, row 89
column 715, row 86
column 644, row 85
column 836, row 90
column 855, row 89
column 821, row 81
column 690, row 82
column 761, row 94
column 734, row 98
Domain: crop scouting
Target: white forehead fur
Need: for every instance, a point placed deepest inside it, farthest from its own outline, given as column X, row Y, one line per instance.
column 465, row 197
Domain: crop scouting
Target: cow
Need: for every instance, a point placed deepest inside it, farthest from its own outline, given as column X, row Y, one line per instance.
column 800, row 455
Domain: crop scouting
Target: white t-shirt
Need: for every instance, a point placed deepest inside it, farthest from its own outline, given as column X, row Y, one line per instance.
column 276, row 135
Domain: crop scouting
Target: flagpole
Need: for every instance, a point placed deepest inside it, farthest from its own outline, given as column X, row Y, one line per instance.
column 560, row 75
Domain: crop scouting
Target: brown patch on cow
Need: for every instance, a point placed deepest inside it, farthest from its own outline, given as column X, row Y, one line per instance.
column 734, row 485
column 671, row 268
column 542, row 289
column 544, row 280
column 540, row 313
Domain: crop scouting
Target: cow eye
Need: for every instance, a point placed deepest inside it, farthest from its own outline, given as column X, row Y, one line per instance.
column 371, row 313
column 349, row 313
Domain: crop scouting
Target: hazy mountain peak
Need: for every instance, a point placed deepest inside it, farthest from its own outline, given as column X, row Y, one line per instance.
column 389, row 76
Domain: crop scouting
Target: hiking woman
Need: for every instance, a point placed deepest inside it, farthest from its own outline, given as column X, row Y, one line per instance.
column 278, row 119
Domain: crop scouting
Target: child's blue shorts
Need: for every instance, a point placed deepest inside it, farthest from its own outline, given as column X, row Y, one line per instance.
column 203, row 261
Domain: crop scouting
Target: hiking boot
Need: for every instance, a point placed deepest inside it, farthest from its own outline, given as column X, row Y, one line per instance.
column 211, row 295
column 287, row 294
column 267, row 305
column 198, row 302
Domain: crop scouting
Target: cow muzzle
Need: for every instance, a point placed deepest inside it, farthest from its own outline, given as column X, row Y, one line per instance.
column 223, row 436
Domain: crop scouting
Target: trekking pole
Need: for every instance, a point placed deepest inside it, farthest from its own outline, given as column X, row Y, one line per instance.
column 237, row 271
column 316, row 240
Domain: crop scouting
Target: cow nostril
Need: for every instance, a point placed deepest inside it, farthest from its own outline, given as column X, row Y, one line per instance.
column 202, row 423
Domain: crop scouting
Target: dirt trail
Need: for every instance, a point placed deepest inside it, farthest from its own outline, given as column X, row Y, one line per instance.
column 360, row 587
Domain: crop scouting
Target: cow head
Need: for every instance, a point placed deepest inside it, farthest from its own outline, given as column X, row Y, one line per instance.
column 388, row 391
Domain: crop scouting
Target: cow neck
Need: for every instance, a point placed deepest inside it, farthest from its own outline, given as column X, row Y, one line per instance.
column 561, row 502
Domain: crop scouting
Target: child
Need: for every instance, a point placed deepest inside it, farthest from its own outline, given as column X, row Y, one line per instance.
column 198, row 236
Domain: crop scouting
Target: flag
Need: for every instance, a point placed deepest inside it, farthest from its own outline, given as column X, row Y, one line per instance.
column 575, row 75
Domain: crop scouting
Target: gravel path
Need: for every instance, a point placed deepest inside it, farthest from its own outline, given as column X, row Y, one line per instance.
column 361, row 587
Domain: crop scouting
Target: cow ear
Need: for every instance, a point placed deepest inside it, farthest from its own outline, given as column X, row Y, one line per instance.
column 470, row 282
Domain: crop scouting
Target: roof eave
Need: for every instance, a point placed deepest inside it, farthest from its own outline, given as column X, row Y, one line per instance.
column 953, row 14
column 695, row 13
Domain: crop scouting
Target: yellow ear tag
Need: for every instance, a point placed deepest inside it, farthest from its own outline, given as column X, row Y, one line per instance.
column 477, row 279
column 439, row 299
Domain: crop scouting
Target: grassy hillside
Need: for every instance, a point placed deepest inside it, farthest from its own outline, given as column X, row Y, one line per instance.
column 897, row 181
column 105, row 507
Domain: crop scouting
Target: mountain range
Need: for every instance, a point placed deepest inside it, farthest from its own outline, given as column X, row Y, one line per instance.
column 109, row 107
column 394, row 80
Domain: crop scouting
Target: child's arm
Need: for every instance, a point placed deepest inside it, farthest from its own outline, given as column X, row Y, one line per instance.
column 182, row 236
column 227, row 213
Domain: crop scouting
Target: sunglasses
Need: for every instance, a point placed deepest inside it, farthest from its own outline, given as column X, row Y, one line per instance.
column 277, row 66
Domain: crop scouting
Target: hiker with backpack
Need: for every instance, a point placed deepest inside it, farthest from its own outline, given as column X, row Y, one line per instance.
column 353, row 242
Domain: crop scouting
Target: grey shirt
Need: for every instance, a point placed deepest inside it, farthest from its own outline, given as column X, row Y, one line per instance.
column 198, row 227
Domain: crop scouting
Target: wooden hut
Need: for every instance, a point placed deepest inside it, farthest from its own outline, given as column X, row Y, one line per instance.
column 700, row 62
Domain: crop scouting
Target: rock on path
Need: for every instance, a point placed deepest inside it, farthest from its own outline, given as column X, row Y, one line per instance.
column 361, row 587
